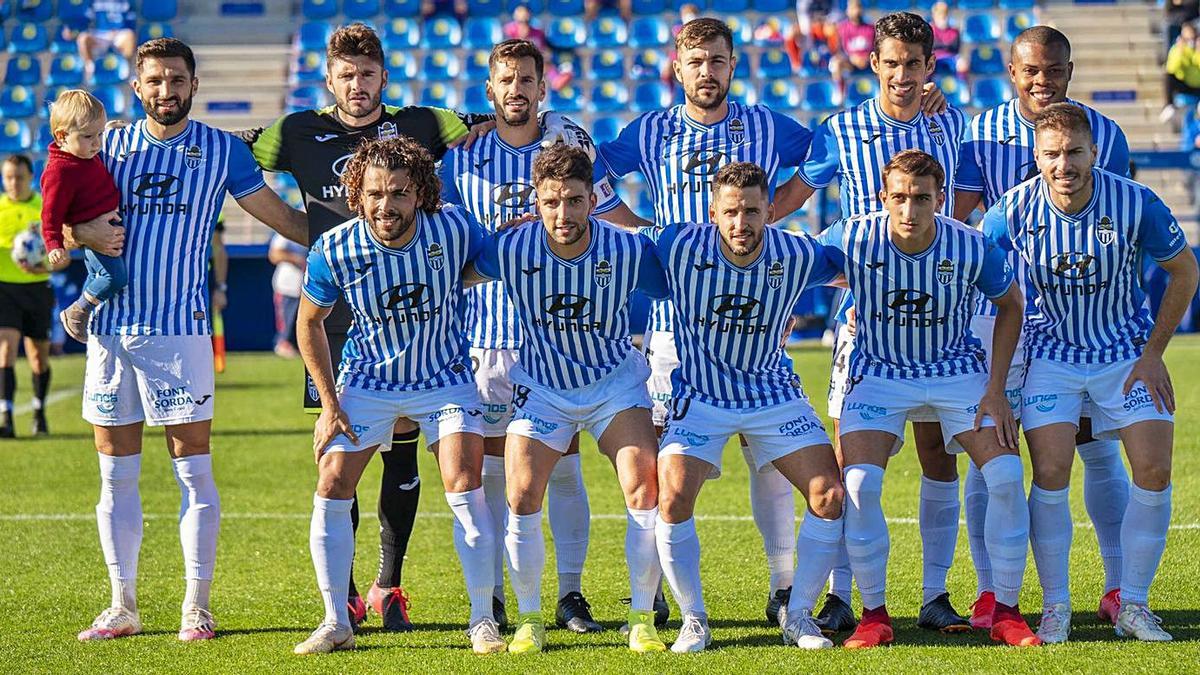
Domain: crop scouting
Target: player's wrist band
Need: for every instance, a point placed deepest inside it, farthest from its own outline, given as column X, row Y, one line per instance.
column 221, row 287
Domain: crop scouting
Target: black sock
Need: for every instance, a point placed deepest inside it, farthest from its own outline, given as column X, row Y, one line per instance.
column 354, row 524
column 41, row 385
column 399, row 495
column 8, row 388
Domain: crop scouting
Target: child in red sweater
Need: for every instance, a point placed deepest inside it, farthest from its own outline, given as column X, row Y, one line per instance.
column 76, row 188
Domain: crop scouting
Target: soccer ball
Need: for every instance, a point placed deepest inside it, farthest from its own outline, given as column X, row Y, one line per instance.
column 29, row 249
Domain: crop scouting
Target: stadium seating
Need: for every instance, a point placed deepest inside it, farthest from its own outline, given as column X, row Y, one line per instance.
column 649, row 96
column 18, row 101
column 735, row 7
column 567, row 100
column 402, row 8
column 955, row 90
column 307, row 98
column 360, row 9
column 440, row 67
column 987, row 60
column 773, row 6
column 860, row 89
column 442, row 32
column 309, row 66
column 886, row 6
column 772, row 31
column 818, row 96
column 34, row 10
column 485, row 8
column 975, row 4
column 319, row 9
column 44, row 137
column 608, row 32
column 947, row 65
column 743, row 30
column 563, row 7
column 401, row 33
column 401, row 66
column 147, row 32
column 774, row 64
column 396, row 94
column 649, row 7
column 742, row 92
column 49, row 95
column 116, row 103
column 314, row 35
column 475, row 99
column 648, row 65
column 742, row 69
column 162, row 10
column 649, row 32
column 22, row 69
column 566, row 33
column 989, row 92
column 609, row 97
column 608, row 64
column 979, row 28
column 536, row 7
column 605, row 129
column 65, row 70
column 28, row 38
column 482, row 32
column 15, row 136
column 1024, row 5
column 781, row 95
column 815, row 63
column 439, row 95
column 1016, row 23
column 74, row 13
column 476, row 67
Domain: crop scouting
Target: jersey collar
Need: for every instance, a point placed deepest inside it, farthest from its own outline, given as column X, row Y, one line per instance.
column 719, row 253
column 892, row 121
column 1044, row 189
column 730, row 111
column 593, row 230
column 419, row 224
column 938, row 225
column 167, row 142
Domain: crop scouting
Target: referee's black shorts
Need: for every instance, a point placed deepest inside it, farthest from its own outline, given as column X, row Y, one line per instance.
column 28, row 308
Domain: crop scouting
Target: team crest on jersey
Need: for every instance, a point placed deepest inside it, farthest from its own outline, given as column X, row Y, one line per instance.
column 435, row 255
column 737, row 130
column 945, row 272
column 1106, row 234
column 775, row 275
column 603, row 273
column 936, row 133
column 388, row 130
column 193, row 156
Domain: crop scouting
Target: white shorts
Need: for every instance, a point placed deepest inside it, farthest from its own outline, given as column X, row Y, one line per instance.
column 554, row 416
column 161, row 380
column 1055, row 391
column 493, row 380
column 843, row 346
column 700, row 430
column 880, row 404
column 663, row 359
column 439, row 413
column 983, row 327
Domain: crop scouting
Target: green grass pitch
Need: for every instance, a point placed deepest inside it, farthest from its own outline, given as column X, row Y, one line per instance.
column 265, row 598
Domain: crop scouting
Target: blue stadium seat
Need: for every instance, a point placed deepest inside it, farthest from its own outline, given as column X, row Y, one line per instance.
column 401, row 33
column 307, row 98
column 566, row 32
column 609, row 97
column 742, row 69
column 947, row 65
column 649, row 32
column 955, row 90
column 14, row 136
column 742, row 92
column 989, row 92
column 987, row 60
column 396, row 94
column 860, row 89
column 780, row 95
column 22, row 69
column 310, row 66
column 360, row 9
column 773, row 31
column 136, row 111
column 887, row 6
column 774, row 64
column 815, row 63
column 608, row 32
column 116, row 103
column 44, row 137
column 151, row 31
column 563, row 7
column 475, row 100
column 605, row 129
column 112, row 68
column 319, row 9
column 743, row 30
column 1016, row 23
column 439, row 95
column 566, row 100
column 440, row 66
column 976, row 4
column 649, row 7
column 818, row 96
column 49, row 95
column 773, row 6
column 476, row 68
column 61, row 43
column 401, row 66
column 402, row 8
column 159, row 10
column 734, row 7
column 608, row 64
column 65, row 70
column 442, row 32
column 648, row 96
column 485, row 8
column 34, row 10
column 482, row 32
column 74, row 12
column 981, row 27
column 1024, row 5
column 28, row 38
column 648, row 65
column 314, row 35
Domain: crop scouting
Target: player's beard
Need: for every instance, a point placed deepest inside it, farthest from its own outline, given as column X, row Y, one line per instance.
column 579, row 229
column 744, row 249
column 707, row 101
column 182, row 109
column 370, row 107
column 401, row 227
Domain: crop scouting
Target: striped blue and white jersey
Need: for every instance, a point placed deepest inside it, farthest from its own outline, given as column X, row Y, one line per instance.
column 574, row 313
column 171, row 195
column 678, row 158
column 494, row 181
column 406, row 303
column 730, row 320
column 914, row 311
column 1084, row 269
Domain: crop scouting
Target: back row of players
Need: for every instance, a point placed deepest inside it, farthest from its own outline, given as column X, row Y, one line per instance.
column 399, row 263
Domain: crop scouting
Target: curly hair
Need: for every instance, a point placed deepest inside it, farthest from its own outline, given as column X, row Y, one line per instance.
column 393, row 154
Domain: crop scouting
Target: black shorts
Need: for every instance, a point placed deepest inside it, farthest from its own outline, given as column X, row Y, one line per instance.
column 28, row 308
column 312, row 401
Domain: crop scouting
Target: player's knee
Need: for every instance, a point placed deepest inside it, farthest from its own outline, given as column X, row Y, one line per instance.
column 674, row 506
column 463, row 481
column 825, row 496
column 1154, row 477
column 331, row 484
column 1052, row 474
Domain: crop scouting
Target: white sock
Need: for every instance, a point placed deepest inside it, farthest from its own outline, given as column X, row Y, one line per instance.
column 199, row 521
column 1106, row 495
column 867, row 533
column 570, row 517
column 641, row 554
column 841, row 578
column 975, row 503
column 331, row 543
column 494, row 492
column 938, row 522
column 197, row 594
column 526, row 559
column 1143, row 538
column 119, row 519
column 817, row 548
column 679, row 554
column 1006, row 527
column 475, row 544
column 1050, row 533
column 773, row 504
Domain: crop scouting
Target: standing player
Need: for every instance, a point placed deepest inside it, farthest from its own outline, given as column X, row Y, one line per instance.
column 570, row 279
column 1081, row 233
column 150, row 358
column 398, row 265
column 998, row 155
column 853, row 146
column 733, row 285
column 914, row 276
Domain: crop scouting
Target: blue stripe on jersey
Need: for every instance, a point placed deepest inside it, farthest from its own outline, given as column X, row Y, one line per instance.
column 913, row 312
column 730, row 320
column 1084, row 269
column 574, row 313
column 407, row 333
column 171, row 195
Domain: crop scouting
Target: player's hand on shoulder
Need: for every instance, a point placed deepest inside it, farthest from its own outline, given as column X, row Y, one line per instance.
column 516, row 222
column 933, row 101
column 113, row 125
column 557, row 128
column 248, row 136
column 332, row 422
column 473, row 134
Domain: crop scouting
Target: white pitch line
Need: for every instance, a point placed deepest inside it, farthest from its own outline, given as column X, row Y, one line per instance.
column 53, row 397
column 719, row 518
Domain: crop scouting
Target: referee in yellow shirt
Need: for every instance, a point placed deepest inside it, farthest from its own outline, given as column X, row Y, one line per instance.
column 26, row 300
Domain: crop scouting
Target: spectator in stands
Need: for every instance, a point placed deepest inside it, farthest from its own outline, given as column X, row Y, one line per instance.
column 815, row 28
column 856, row 39
column 112, row 24
column 289, row 259
column 521, row 28
column 1175, row 14
column 455, row 8
column 592, row 8
column 1183, row 71
column 947, row 41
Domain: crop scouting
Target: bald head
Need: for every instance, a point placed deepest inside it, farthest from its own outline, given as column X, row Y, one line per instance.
column 1044, row 37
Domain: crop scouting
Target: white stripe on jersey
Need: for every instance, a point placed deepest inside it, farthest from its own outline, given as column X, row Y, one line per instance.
column 730, row 320
column 574, row 313
column 407, row 333
column 913, row 313
column 171, row 195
